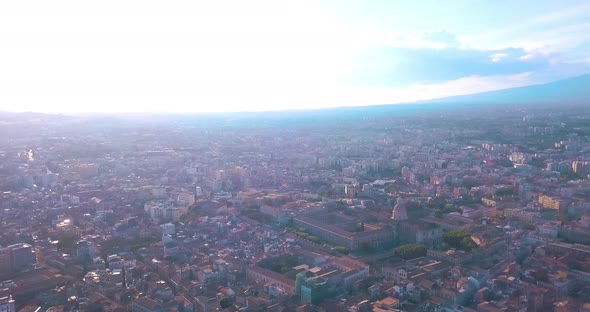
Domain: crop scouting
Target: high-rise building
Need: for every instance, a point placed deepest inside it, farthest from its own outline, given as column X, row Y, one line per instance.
column 16, row 257
column 312, row 289
column 22, row 255
column 7, row 304
column 5, row 260
column 581, row 167
column 85, row 250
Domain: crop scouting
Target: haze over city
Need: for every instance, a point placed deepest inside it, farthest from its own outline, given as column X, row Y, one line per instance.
column 303, row 156
column 187, row 56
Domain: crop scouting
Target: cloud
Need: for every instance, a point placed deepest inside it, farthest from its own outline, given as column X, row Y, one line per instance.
column 498, row 56
column 396, row 66
column 526, row 57
column 470, row 85
column 438, row 39
column 558, row 30
column 426, row 91
column 442, row 37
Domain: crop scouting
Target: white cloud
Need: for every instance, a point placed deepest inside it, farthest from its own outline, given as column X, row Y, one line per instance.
column 437, row 39
column 427, row 91
column 497, row 57
column 527, row 57
column 579, row 61
column 552, row 32
column 469, row 85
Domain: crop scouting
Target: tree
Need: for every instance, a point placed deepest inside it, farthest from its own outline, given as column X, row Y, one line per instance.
column 224, row 303
column 454, row 238
column 281, row 264
column 341, row 249
column 528, row 226
column 411, row 251
column 436, row 203
column 67, row 240
column 43, row 233
column 505, row 192
column 113, row 245
column 467, row 243
column 459, row 239
column 314, row 239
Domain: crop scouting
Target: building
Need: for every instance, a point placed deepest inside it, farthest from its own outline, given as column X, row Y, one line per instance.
column 581, row 167
column 7, row 304
column 185, row 198
column 84, row 250
column 399, row 211
column 168, row 229
column 455, row 257
column 34, row 282
column 386, row 304
column 549, row 202
column 311, row 288
column 16, row 257
column 145, row 304
column 259, row 274
column 350, row 191
column 277, row 214
column 5, row 260
column 165, row 211
column 576, row 250
column 343, row 231
column 155, row 209
column 85, row 171
column 561, row 167
column 420, row 232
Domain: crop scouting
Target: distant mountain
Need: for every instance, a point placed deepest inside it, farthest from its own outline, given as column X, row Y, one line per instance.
column 574, row 90
column 568, row 91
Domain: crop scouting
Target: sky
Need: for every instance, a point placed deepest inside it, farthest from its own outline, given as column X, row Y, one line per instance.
column 210, row 56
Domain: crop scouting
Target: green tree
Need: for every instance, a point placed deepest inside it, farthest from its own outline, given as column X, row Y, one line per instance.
column 67, row 240
column 453, row 238
column 341, row 249
column 411, row 251
column 43, row 233
column 459, row 239
column 467, row 243
column 224, row 303
column 505, row 192
column 528, row 226
column 314, row 239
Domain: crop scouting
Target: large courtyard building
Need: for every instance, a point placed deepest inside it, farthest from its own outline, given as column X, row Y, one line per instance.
column 341, row 230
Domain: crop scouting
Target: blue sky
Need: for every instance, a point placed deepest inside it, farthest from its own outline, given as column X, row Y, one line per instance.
column 122, row 56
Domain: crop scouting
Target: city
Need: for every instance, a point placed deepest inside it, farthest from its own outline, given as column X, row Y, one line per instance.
column 294, row 156
column 481, row 208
